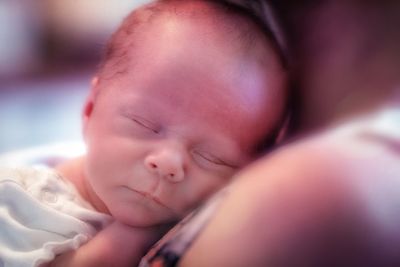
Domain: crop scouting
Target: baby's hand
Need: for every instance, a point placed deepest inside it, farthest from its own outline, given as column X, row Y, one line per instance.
column 117, row 245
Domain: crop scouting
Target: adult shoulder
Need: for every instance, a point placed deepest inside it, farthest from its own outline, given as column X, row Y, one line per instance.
column 324, row 201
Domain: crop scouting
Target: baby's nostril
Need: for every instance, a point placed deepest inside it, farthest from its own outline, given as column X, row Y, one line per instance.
column 153, row 165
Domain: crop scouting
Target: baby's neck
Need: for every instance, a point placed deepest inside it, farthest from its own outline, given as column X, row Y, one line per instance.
column 73, row 170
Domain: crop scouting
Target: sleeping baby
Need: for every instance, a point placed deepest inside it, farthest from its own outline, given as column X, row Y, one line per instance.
column 187, row 94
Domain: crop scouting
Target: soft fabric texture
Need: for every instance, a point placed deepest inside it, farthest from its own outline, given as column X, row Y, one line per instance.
column 42, row 215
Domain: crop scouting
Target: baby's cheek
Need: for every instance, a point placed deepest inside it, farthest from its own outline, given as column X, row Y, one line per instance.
column 207, row 185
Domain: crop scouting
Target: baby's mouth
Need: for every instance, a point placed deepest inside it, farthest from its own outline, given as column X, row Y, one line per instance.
column 151, row 197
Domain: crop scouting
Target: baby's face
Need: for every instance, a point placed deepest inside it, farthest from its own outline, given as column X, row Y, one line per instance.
column 176, row 127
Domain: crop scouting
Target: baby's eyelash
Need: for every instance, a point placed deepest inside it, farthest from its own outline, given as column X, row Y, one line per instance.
column 146, row 124
column 213, row 159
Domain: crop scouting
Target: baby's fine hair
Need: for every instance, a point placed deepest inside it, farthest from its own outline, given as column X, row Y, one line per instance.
column 244, row 21
column 244, row 25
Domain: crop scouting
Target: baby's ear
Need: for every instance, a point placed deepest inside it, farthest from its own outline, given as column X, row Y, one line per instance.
column 89, row 103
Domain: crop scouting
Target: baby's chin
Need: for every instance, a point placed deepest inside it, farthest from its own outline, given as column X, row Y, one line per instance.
column 143, row 218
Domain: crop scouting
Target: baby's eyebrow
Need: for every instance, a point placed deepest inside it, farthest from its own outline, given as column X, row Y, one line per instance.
column 128, row 109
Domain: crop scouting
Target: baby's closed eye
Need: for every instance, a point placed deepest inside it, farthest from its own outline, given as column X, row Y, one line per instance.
column 208, row 160
column 146, row 124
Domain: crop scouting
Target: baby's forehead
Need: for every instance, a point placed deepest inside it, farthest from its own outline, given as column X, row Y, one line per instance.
column 190, row 9
column 231, row 24
column 212, row 22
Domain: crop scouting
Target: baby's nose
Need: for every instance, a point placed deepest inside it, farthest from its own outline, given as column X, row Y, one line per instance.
column 167, row 164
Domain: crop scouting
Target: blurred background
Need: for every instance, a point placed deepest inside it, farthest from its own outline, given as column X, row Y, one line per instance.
column 49, row 51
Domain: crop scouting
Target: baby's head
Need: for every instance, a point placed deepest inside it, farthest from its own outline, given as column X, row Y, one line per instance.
column 187, row 91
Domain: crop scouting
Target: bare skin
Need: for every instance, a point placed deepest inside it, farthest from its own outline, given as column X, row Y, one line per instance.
column 169, row 131
column 328, row 211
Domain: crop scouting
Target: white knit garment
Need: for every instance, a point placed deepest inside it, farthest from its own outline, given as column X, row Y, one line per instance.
column 41, row 216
